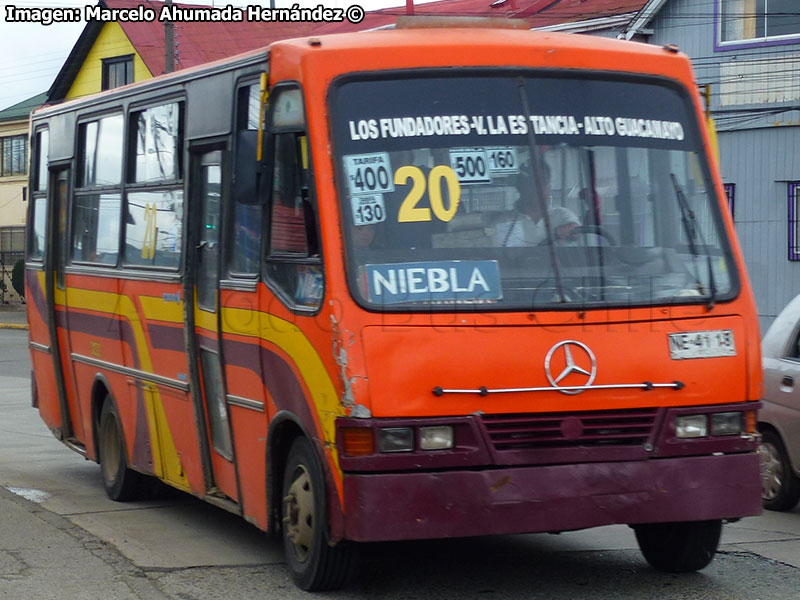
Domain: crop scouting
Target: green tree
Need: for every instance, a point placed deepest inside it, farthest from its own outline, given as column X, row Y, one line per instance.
column 18, row 278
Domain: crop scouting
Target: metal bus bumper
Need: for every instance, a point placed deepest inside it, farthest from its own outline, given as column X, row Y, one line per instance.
column 459, row 503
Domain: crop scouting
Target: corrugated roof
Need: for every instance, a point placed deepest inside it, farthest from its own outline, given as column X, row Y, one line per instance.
column 201, row 42
column 198, row 43
column 537, row 13
column 21, row 110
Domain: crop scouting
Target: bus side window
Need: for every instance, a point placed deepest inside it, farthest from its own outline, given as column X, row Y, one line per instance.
column 293, row 262
column 246, row 221
column 38, row 218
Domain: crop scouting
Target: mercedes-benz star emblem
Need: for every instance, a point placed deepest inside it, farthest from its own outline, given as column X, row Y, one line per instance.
column 566, row 358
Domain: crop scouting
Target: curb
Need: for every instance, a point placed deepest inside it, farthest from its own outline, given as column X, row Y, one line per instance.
column 13, row 326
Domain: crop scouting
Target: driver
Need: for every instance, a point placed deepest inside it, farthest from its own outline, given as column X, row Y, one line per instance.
column 525, row 224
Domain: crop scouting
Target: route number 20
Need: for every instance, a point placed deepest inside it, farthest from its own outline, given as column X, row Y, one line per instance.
column 409, row 211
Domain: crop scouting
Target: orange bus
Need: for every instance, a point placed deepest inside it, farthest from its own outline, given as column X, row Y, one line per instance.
column 399, row 285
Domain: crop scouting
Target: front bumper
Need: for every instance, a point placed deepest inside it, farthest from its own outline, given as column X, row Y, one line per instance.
column 459, row 503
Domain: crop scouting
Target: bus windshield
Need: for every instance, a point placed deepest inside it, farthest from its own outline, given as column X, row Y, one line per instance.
column 524, row 190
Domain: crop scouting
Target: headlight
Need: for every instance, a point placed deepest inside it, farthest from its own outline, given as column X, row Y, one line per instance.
column 436, row 438
column 691, row 426
column 396, row 439
column 727, row 423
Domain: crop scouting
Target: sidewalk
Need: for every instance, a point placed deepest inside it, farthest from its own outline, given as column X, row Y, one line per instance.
column 13, row 316
column 44, row 556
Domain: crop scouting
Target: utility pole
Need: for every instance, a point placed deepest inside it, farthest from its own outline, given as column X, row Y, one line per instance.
column 169, row 42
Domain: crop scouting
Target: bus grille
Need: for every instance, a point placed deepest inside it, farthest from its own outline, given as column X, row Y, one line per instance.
column 632, row 427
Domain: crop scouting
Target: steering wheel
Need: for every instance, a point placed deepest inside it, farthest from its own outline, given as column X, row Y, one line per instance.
column 597, row 230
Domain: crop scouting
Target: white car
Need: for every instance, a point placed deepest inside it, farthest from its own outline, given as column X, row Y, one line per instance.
column 779, row 420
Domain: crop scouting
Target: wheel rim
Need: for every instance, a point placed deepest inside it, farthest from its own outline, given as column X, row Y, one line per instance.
column 298, row 510
column 772, row 475
column 111, row 449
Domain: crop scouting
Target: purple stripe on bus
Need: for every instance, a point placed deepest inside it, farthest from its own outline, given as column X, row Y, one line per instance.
column 279, row 378
column 121, row 331
column 165, row 337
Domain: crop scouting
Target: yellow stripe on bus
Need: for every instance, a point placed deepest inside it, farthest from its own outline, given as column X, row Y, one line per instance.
column 155, row 308
column 166, row 462
column 284, row 334
column 289, row 338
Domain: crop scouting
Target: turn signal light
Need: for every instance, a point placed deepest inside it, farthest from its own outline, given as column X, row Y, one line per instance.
column 750, row 421
column 358, row 441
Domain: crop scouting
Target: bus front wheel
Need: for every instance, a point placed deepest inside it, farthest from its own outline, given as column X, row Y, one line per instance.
column 315, row 564
column 120, row 482
column 679, row 547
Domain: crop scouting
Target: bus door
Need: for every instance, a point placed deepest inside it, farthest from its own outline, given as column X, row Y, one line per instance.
column 56, row 292
column 207, row 192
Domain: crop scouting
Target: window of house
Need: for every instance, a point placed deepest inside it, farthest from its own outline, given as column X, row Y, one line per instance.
column 746, row 20
column 14, row 155
column 117, row 71
column 730, row 194
column 794, row 220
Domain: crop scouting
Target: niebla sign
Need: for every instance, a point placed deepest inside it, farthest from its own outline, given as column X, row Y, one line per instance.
column 440, row 281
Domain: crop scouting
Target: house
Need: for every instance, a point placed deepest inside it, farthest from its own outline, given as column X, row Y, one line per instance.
column 748, row 52
column 13, row 187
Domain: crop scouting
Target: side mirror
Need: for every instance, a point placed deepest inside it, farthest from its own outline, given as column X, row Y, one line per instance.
column 247, row 176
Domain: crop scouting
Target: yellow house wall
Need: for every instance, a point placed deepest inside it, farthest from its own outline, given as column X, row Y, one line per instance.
column 111, row 42
column 12, row 208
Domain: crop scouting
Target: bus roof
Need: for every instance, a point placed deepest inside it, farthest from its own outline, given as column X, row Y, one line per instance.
column 450, row 47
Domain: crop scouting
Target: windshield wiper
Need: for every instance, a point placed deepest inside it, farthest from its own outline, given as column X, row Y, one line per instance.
column 692, row 232
column 595, row 208
column 538, row 175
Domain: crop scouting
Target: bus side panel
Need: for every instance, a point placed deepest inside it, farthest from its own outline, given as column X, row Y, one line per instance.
column 302, row 377
column 244, row 380
column 153, row 342
column 41, row 350
column 62, row 330
column 94, row 334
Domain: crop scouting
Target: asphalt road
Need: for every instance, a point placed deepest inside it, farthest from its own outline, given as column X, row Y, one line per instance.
column 182, row 549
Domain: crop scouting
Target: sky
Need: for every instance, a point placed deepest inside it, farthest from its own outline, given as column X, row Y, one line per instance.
column 31, row 54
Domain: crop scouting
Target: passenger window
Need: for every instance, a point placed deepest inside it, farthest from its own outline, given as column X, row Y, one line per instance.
column 38, row 209
column 293, row 262
column 156, row 135
column 101, row 152
column 36, row 241
column 154, row 228
column 95, row 228
column 247, row 218
column 42, row 144
column 96, row 216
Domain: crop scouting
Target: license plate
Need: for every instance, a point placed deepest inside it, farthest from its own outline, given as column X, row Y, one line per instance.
column 702, row 344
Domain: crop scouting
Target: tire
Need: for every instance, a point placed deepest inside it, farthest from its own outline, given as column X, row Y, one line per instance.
column 780, row 487
column 120, row 482
column 314, row 563
column 679, row 547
